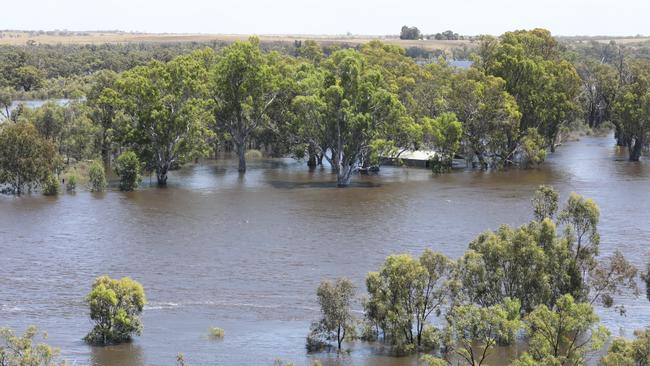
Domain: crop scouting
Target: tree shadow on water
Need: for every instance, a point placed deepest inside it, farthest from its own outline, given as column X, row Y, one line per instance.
column 127, row 354
column 321, row 185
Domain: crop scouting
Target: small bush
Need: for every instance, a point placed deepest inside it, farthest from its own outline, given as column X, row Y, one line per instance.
column 127, row 166
column 96, row 177
column 71, row 183
column 217, row 333
column 51, row 186
column 253, row 154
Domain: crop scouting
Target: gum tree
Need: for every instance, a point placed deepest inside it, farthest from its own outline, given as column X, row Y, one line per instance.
column 167, row 116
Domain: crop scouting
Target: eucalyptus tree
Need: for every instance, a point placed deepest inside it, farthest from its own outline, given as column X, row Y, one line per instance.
column 544, row 84
column 350, row 115
column 405, row 293
column 563, row 334
column 168, row 115
column 244, row 86
column 104, row 102
column 489, row 114
column 631, row 111
column 335, row 300
column 27, row 159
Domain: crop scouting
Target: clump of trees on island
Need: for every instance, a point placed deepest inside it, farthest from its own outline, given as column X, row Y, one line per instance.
column 353, row 108
column 535, row 284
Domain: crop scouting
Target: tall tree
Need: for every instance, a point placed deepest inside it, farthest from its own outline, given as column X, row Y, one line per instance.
column 245, row 85
column 347, row 111
column 104, row 102
column 26, row 158
column 632, row 109
column 545, row 85
column 335, row 300
column 168, row 118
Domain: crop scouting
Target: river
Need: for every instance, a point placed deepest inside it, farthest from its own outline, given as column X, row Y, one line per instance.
column 247, row 253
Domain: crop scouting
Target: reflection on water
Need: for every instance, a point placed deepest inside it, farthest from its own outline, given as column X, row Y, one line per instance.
column 124, row 355
column 246, row 253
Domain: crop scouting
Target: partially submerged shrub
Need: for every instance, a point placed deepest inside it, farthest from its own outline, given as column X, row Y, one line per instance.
column 115, row 307
column 50, row 186
column 71, row 183
column 127, row 166
column 217, row 333
column 96, row 177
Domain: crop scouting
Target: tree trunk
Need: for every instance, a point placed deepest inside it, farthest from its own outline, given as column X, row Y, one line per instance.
column 343, row 175
column 635, row 147
column 311, row 163
column 161, row 176
column 241, row 154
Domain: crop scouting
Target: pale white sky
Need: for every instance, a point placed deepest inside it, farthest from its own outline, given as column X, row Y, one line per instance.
column 562, row 17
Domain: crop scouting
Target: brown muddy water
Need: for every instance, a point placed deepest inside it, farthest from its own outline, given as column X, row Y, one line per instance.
column 247, row 253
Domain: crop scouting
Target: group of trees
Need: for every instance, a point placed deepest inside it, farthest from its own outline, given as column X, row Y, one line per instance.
column 535, row 284
column 353, row 108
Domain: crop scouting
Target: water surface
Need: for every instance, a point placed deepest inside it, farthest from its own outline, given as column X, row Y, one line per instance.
column 247, row 253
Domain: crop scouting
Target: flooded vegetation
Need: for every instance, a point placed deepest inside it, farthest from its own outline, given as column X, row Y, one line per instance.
column 247, row 252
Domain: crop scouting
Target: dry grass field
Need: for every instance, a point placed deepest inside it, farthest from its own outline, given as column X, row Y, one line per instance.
column 22, row 38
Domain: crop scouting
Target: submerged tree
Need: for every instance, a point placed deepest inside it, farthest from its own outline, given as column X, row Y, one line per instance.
column 128, row 167
column 405, row 293
column 244, row 87
column 563, row 335
column 335, row 299
column 347, row 113
column 26, row 159
column 168, row 117
column 115, row 308
column 631, row 109
column 474, row 331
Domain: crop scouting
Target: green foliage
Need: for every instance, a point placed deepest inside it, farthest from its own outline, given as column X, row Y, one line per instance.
column 565, row 333
column 96, row 177
column 545, row 202
column 489, row 114
column 635, row 352
column 582, row 215
column 473, row 326
column 345, row 106
column 335, row 299
column 115, row 308
column 545, row 85
column 631, row 110
column 21, row 350
column 167, row 111
column 444, row 134
column 51, row 186
column 71, row 183
column 128, row 167
column 403, row 295
column 245, row 88
column 533, row 151
column 26, row 159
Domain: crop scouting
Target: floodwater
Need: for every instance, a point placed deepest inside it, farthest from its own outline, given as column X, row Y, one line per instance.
column 246, row 254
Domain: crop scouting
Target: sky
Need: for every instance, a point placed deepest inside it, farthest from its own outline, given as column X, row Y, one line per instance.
column 360, row 17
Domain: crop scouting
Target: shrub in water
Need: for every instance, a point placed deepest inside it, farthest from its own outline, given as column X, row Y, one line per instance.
column 51, row 186
column 127, row 166
column 96, row 177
